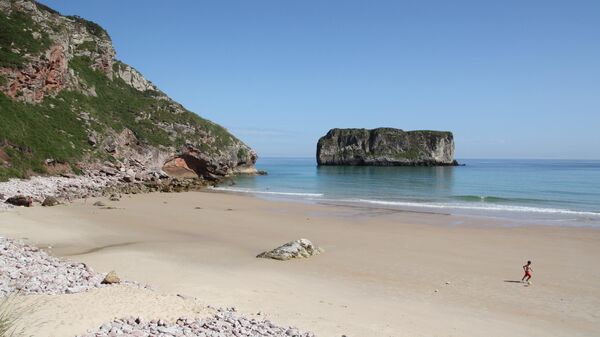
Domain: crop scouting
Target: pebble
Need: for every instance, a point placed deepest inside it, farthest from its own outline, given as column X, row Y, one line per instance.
column 94, row 183
column 61, row 187
column 30, row 270
column 226, row 323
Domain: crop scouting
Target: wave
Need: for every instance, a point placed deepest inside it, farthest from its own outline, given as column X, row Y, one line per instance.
column 475, row 207
column 471, row 203
column 291, row 194
column 481, row 198
column 494, row 199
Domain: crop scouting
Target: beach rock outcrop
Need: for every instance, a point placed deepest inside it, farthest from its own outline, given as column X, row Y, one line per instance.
column 301, row 248
column 20, row 200
column 386, row 147
column 50, row 201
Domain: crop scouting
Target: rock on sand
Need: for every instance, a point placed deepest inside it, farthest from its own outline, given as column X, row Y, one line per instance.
column 292, row 250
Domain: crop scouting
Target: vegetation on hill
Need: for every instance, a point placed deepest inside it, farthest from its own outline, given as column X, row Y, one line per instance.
column 92, row 101
column 18, row 37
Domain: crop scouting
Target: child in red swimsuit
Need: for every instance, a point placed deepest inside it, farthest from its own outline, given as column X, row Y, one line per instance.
column 528, row 270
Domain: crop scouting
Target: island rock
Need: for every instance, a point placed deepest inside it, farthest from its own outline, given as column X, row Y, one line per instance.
column 386, row 147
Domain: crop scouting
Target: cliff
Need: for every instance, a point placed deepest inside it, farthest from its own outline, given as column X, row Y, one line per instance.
column 386, row 147
column 67, row 105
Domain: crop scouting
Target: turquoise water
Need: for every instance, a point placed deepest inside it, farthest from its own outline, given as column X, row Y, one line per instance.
column 565, row 191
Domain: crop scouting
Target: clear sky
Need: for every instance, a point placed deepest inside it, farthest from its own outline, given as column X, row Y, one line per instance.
column 511, row 79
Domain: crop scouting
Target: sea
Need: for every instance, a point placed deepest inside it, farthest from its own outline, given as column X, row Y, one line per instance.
column 552, row 192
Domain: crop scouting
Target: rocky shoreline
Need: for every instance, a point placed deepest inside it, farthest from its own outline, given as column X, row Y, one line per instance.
column 111, row 180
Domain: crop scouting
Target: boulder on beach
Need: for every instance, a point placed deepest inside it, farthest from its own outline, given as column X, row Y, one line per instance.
column 20, row 200
column 111, row 278
column 50, row 201
column 301, row 248
column 99, row 204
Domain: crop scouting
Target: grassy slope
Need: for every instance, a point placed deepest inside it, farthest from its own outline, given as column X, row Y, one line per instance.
column 54, row 129
column 16, row 33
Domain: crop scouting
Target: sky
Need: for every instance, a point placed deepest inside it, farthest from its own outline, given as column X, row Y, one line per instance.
column 510, row 79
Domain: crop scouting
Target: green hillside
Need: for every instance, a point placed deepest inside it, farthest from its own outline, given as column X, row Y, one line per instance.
column 92, row 100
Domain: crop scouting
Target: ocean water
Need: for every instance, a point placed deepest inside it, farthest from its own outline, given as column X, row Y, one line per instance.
column 565, row 192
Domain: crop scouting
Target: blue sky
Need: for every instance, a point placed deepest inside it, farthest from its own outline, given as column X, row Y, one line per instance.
column 511, row 79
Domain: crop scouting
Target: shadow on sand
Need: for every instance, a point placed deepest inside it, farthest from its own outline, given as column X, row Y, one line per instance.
column 512, row 281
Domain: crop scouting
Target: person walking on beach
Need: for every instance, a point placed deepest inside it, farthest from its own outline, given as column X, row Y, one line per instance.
column 528, row 270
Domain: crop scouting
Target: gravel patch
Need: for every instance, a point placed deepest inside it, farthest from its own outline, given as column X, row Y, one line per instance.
column 30, row 270
column 225, row 323
column 40, row 187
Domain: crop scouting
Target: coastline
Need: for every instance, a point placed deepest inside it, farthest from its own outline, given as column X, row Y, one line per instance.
column 378, row 276
column 515, row 215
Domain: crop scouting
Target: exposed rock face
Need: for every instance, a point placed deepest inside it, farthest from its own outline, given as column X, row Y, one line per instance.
column 43, row 76
column 59, row 68
column 386, row 147
column 292, row 250
column 134, row 78
column 178, row 167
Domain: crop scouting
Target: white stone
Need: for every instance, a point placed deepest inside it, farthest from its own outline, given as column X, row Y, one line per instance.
column 301, row 248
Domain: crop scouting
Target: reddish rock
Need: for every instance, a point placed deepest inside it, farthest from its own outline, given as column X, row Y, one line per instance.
column 179, row 168
column 48, row 75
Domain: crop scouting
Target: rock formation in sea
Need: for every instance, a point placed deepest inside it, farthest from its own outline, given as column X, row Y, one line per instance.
column 68, row 106
column 386, row 147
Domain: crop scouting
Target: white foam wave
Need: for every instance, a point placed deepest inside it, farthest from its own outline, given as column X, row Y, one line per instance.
column 291, row 194
column 424, row 205
column 450, row 206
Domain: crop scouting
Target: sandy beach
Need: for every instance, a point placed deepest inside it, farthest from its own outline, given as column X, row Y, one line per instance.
column 383, row 273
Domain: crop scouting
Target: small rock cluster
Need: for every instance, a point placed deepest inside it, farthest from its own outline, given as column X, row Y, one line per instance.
column 301, row 248
column 28, row 269
column 110, row 179
column 38, row 188
column 225, row 323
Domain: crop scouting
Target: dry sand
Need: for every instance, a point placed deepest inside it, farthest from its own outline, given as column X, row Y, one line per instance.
column 378, row 276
